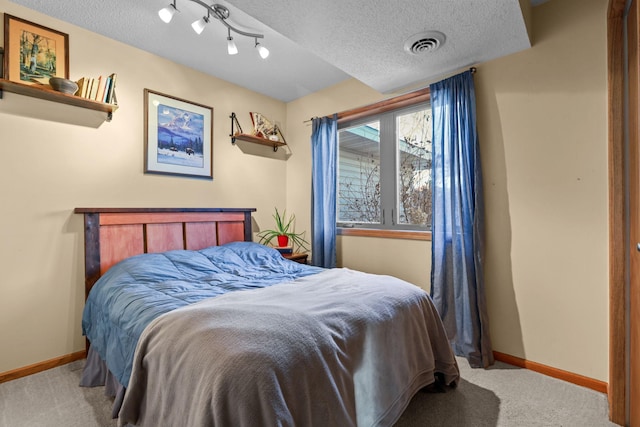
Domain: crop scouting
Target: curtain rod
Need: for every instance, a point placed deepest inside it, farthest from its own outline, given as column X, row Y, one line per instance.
column 473, row 70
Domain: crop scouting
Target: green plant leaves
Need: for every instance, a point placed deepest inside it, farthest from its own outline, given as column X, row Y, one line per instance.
column 284, row 227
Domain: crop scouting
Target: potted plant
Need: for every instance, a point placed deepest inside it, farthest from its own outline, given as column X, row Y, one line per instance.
column 283, row 232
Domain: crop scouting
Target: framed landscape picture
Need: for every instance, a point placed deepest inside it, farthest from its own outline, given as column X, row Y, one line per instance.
column 34, row 53
column 178, row 136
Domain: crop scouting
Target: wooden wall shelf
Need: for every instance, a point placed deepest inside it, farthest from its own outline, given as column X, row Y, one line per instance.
column 257, row 140
column 238, row 134
column 44, row 92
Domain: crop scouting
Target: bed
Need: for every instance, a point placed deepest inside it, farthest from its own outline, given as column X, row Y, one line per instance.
column 190, row 323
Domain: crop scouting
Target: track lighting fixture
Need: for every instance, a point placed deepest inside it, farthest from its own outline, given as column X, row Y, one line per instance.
column 221, row 13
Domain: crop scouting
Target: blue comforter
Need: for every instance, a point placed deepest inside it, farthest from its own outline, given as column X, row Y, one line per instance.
column 137, row 290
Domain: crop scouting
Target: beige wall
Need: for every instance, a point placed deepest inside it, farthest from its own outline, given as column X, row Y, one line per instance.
column 49, row 167
column 542, row 128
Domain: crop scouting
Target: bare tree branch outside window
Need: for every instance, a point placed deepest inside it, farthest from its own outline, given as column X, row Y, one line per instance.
column 414, row 149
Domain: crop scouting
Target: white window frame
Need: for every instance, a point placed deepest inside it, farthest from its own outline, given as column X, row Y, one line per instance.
column 386, row 110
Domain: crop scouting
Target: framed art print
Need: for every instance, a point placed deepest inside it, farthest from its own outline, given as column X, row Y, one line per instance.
column 178, row 136
column 34, row 53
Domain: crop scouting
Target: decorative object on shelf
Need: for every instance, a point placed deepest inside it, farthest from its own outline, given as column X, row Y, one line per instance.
column 221, row 13
column 261, row 125
column 63, row 85
column 284, row 233
column 274, row 140
column 178, row 136
column 263, row 128
column 34, row 53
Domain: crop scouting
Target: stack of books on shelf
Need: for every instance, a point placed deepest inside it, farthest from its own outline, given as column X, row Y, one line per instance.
column 101, row 89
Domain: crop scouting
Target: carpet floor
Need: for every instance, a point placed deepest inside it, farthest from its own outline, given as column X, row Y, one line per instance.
column 500, row 396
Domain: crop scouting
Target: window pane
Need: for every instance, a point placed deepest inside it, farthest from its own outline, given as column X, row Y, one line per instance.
column 359, row 174
column 414, row 168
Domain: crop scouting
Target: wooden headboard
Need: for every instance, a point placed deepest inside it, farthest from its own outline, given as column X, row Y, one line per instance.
column 113, row 234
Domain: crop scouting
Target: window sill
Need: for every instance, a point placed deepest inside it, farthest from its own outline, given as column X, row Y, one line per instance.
column 386, row 234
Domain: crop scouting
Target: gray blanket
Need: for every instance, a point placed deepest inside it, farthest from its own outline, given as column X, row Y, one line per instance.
column 339, row 348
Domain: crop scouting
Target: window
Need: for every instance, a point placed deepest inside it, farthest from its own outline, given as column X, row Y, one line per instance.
column 384, row 169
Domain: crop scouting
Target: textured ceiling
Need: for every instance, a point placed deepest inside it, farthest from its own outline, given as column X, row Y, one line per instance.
column 366, row 39
column 313, row 44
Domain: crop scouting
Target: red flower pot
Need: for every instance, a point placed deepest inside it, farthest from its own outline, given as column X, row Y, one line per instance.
column 283, row 240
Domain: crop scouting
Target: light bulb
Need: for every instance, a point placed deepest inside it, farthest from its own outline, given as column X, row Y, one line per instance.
column 263, row 51
column 166, row 13
column 198, row 26
column 232, row 49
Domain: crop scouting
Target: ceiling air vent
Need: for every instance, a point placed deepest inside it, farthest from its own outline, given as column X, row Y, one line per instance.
column 424, row 42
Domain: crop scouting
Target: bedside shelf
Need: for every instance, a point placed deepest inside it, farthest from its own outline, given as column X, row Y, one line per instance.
column 297, row 257
column 44, row 92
